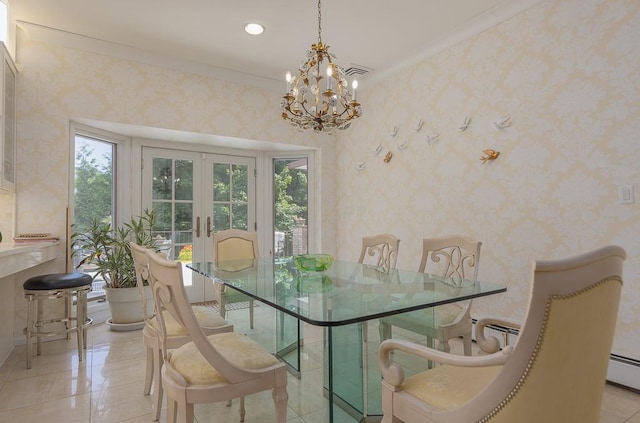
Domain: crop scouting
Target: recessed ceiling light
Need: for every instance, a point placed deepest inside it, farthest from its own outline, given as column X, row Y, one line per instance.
column 254, row 28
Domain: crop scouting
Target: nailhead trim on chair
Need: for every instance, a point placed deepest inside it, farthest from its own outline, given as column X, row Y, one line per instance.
column 536, row 349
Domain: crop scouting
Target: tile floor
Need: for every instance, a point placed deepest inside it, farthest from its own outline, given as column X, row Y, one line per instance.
column 107, row 385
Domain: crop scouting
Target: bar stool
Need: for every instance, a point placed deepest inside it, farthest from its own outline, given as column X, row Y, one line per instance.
column 51, row 287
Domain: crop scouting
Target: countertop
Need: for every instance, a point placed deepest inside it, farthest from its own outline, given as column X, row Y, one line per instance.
column 15, row 258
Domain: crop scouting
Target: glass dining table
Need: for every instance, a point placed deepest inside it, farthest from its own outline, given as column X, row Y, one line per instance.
column 343, row 299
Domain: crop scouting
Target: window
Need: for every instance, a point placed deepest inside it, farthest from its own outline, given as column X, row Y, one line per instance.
column 290, row 206
column 93, row 192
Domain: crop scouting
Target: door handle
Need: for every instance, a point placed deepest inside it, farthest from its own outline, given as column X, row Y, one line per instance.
column 209, row 228
column 198, row 227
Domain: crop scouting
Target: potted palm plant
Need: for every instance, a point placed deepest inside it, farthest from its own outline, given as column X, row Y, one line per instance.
column 106, row 254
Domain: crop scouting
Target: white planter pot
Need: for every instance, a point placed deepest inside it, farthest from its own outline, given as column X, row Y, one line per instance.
column 126, row 307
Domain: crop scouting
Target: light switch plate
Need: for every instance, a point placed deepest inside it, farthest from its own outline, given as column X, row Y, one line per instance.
column 625, row 194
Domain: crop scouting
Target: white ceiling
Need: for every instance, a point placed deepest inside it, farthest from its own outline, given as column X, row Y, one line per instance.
column 377, row 34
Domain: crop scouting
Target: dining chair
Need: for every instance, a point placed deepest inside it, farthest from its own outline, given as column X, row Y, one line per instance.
column 456, row 259
column 210, row 368
column 554, row 373
column 233, row 245
column 208, row 319
column 380, row 250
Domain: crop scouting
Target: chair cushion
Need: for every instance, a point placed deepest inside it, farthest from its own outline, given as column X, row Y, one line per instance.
column 57, row 281
column 447, row 387
column 207, row 317
column 237, row 348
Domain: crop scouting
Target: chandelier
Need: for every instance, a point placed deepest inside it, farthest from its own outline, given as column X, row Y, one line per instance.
column 319, row 97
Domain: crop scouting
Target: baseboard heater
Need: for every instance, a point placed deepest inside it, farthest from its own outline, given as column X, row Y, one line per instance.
column 623, row 371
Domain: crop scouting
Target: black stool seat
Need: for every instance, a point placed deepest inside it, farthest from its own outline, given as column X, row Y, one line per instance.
column 57, row 281
column 57, row 286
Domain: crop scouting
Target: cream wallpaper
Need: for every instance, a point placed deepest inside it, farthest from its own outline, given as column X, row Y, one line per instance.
column 567, row 74
column 57, row 85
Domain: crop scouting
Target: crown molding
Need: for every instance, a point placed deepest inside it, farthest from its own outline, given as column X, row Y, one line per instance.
column 80, row 42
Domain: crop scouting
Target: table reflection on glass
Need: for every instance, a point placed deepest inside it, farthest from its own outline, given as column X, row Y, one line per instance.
column 341, row 299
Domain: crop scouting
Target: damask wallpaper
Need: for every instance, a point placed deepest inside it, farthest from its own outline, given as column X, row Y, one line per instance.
column 564, row 73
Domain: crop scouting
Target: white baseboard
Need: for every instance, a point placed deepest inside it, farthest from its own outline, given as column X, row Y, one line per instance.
column 623, row 371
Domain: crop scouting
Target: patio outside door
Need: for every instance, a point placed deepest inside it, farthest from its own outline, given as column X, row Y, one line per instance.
column 195, row 194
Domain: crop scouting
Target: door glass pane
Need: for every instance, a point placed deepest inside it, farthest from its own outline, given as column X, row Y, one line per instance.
column 173, row 203
column 240, row 216
column 230, row 196
column 183, row 225
column 184, row 180
column 162, row 228
column 162, row 179
column 221, row 181
column 221, row 219
column 239, row 181
column 290, row 206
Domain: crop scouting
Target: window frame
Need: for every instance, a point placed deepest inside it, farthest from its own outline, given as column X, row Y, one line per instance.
column 121, row 174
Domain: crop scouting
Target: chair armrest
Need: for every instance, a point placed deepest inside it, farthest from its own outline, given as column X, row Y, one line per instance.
column 394, row 375
column 492, row 344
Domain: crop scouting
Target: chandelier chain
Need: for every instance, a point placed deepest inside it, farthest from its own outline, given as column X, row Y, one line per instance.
column 319, row 23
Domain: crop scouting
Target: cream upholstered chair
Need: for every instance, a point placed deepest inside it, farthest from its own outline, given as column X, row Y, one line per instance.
column 554, row 373
column 457, row 259
column 208, row 319
column 382, row 249
column 210, row 368
column 234, row 244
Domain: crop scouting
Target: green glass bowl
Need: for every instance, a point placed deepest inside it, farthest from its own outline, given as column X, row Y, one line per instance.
column 313, row 262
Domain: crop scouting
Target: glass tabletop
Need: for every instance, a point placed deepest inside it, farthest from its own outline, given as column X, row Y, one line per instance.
column 345, row 293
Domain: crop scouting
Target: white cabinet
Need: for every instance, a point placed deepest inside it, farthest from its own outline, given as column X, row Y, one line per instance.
column 8, row 131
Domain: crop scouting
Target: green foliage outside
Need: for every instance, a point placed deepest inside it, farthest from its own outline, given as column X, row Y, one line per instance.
column 93, row 189
column 173, row 184
column 291, row 188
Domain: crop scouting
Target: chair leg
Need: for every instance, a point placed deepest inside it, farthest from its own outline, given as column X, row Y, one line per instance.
column 171, row 411
column 443, row 345
column 148, row 377
column 29, row 330
column 157, row 377
column 40, row 314
column 242, row 410
column 68, row 308
column 251, row 313
column 466, row 343
column 385, row 331
column 223, row 303
column 86, row 319
column 80, row 317
column 280, row 398
column 185, row 412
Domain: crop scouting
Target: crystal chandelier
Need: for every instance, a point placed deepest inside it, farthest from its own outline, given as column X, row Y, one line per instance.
column 319, row 97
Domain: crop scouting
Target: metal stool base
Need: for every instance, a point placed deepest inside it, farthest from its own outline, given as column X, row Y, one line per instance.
column 36, row 324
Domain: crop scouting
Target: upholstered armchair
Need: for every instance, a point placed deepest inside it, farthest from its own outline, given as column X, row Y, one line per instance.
column 554, row 373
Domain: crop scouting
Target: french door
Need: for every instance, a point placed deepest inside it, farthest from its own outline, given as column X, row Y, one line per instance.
column 195, row 194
